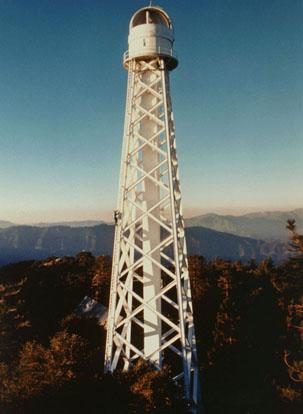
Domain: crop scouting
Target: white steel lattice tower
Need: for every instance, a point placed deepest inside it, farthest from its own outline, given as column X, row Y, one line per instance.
column 150, row 312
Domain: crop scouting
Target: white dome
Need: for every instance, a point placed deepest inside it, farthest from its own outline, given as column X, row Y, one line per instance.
column 150, row 15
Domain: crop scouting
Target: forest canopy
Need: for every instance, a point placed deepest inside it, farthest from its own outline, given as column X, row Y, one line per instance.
column 248, row 319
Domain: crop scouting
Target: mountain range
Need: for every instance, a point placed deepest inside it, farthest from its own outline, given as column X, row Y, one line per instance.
column 261, row 225
column 255, row 235
column 31, row 242
column 5, row 224
column 81, row 223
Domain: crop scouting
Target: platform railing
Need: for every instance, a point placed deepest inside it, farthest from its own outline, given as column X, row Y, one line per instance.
column 146, row 51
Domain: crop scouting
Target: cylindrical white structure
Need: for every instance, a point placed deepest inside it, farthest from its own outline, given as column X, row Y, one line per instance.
column 151, row 35
column 150, row 312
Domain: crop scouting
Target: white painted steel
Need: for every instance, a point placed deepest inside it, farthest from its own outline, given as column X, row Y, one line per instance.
column 150, row 311
column 151, row 228
column 151, row 34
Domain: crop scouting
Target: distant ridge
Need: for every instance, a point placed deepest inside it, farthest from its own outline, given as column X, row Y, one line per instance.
column 5, row 224
column 31, row 242
column 268, row 226
column 82, row 223
column 261, row 226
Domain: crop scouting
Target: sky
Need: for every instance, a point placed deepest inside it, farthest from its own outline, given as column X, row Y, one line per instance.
column 237, row 98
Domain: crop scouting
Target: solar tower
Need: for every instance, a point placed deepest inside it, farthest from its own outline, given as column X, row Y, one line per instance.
column 150, row 311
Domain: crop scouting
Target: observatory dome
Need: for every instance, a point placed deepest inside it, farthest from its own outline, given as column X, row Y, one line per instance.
column 151, row 35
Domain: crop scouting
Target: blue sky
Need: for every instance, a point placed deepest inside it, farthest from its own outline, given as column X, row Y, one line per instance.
column 237, row 97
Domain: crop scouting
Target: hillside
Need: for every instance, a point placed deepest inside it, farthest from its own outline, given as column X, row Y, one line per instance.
column 261, row 226
column 51, row 357
column 211, row 244
column 27, row 242
column 5, row 224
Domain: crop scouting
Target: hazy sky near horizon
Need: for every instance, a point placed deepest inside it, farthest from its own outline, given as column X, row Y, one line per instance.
column 237, row 98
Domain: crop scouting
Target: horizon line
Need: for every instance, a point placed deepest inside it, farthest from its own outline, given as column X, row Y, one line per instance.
column 107, row 218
